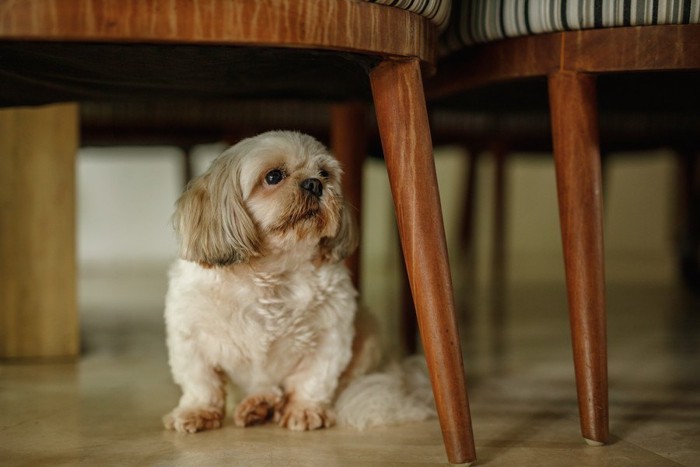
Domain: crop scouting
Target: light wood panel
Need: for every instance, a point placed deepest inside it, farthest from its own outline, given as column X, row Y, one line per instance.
column 38, row 310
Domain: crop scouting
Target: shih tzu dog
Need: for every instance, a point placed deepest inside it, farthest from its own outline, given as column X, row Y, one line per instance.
column 260, row 298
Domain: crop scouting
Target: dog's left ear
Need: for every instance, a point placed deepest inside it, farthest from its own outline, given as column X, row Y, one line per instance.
column 344, row 243
column 212, row 223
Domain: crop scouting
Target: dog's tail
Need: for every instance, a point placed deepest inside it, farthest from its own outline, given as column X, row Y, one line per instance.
column 400, row 393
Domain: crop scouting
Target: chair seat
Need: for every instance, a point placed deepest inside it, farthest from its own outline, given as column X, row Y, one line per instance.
column 102, row 53
column 479, row 21
column 135, row 72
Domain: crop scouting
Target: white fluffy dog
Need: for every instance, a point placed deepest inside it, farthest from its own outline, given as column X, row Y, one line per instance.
column 260, row 297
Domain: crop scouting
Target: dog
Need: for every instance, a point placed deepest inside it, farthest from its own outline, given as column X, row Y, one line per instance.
column 260, row 298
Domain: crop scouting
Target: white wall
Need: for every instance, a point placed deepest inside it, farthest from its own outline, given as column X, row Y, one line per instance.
column 125, row 199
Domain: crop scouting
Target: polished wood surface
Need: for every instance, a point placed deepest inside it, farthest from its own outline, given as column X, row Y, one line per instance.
column 579, row 186
column 38, row 316
column 342, row 25
column 233, row 49
column 639, row 48
column 405, row 134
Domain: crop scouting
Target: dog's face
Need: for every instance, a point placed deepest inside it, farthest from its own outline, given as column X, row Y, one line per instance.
column 265, row 194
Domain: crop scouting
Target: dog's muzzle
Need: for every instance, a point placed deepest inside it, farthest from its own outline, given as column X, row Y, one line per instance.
column 313, row 186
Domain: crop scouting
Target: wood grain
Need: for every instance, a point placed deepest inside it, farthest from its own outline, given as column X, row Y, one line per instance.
column 403, row 124
column 38, row 308
column 639, row 48
column 521, row 57
column 579, row 186
column 345, row 25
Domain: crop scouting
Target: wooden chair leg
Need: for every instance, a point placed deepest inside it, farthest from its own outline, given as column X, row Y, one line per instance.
column 38, row 300
column 403, row 125
column 187, row 165
column 409, row 324
column 348, row 137
column 467, row 227
column 688, row 218
column 498, row 255
column 577, row 159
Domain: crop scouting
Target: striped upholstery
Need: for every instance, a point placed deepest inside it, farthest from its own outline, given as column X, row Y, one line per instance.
column 437, row 11
column 475, row 21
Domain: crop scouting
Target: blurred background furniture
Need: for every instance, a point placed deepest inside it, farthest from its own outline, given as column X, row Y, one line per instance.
column 185, row 124
column 557, row 51
column 211, row 50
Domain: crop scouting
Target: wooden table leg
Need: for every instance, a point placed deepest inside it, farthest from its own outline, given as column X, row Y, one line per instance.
column 403, row 125
column 579, row 184
column 38, row 304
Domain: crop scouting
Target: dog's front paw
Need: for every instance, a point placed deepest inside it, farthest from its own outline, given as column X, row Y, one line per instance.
column 193, row 420
column 304, row 416
column 257, row 409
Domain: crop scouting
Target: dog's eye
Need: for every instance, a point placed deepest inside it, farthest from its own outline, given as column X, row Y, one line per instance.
column 324, row 173
column 273, row 177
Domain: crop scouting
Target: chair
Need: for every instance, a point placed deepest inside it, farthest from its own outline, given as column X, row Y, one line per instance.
column 565, row 48
column 212, row 50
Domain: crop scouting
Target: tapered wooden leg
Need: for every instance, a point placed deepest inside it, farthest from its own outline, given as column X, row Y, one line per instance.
column 467, row 227
column 498, row 258
column 498, row 254
column 403, row 125
column 38, row 305
column 349, row 145
column 577, row 158
column 187, row 165
column 409, row 324
column 688, row 218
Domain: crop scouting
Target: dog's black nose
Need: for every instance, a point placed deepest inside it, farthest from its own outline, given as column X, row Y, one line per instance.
column 313, row 186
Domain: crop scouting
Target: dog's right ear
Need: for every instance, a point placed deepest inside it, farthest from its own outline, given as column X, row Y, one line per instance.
column 213, row 226
column 345, row 241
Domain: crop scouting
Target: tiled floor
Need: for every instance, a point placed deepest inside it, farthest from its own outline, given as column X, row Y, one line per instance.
column 106, row 408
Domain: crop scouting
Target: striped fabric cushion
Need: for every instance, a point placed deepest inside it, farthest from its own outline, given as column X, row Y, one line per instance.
column 475, row 21
column 437, row 11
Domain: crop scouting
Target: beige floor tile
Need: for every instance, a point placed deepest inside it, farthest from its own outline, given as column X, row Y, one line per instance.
column 106, row 408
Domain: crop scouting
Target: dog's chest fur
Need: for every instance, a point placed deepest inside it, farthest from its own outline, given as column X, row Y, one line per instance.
column 255, row 326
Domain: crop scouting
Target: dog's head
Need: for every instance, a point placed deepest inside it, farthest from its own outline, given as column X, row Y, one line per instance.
column 265, row 194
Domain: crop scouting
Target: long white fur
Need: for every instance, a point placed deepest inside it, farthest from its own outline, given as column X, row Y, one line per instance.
column 400, row 393
column 270, row 309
